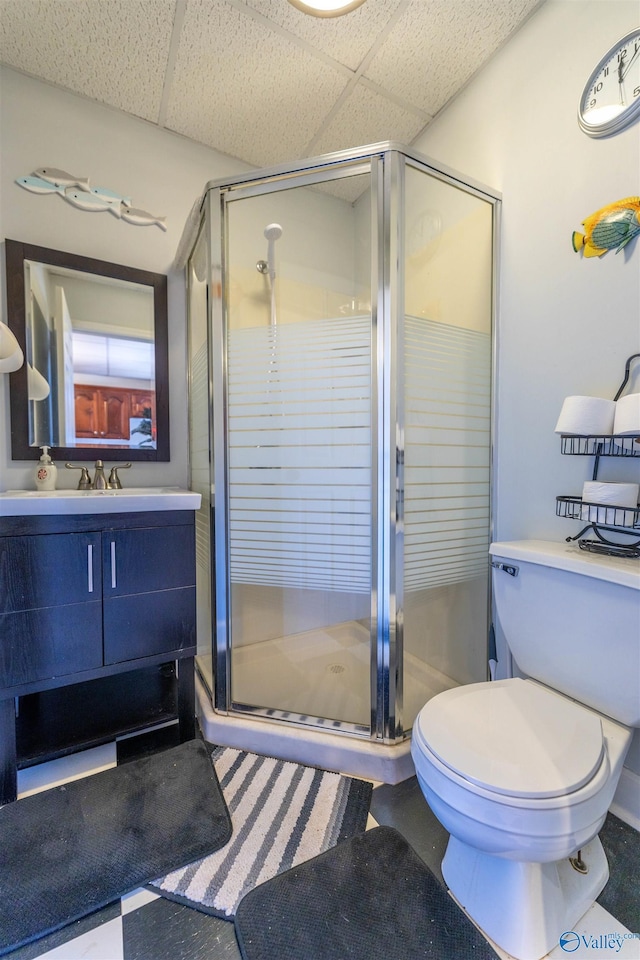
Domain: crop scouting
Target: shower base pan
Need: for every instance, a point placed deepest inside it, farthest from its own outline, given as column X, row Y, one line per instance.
column 354, row 756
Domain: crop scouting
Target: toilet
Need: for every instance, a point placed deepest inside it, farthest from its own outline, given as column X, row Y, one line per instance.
column 522, row 771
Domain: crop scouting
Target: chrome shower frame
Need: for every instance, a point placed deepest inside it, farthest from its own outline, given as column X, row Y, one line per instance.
column 386, row 164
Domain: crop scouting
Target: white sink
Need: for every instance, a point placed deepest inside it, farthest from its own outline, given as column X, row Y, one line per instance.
column 19, row 503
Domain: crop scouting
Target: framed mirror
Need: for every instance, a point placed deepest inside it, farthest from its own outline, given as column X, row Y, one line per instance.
column 95, row 381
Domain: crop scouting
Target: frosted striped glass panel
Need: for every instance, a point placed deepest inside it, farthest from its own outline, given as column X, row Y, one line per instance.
column 300, row 455
column 447, row 451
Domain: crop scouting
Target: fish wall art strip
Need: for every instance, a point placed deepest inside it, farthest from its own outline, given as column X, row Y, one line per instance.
column 79, row 193
column 610, row 228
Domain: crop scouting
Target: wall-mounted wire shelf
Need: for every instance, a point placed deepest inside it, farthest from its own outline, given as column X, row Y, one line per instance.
column 620, row 521
column 630, row 551
column 577, row 509
column 603, row 446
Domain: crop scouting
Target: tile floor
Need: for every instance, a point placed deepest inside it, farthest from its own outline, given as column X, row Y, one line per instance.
column 142, row 926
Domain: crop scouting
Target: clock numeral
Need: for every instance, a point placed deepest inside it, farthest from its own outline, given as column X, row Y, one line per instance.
column 622, row 54
column 636, row 91
column 605, row 72
column 597, row 88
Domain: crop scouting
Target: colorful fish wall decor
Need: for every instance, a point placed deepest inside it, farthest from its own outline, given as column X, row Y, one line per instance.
column 610, row 228
column 79, row 193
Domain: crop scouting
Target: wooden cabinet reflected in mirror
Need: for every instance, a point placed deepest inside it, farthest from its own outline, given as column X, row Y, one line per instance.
column 109, row 413
column 94, row 384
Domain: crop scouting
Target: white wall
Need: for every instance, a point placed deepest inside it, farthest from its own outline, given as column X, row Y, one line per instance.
column 162, row 172
column 566, row 325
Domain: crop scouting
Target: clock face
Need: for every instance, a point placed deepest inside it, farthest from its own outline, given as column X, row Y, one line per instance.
column 611, row 97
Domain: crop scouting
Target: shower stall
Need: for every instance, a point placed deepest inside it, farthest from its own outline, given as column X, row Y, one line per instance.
column 340, row 363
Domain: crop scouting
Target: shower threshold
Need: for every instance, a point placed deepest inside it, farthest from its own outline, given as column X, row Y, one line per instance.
column 355, row 756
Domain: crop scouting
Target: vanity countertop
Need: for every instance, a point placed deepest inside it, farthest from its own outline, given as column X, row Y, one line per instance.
column 35, row 503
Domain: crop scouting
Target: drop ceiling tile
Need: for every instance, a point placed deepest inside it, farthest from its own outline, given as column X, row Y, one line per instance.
column 350, row 189
column 437, row 45
column 258, row 79
column 114, row 51
column 367, row 117
column 246, row 90
column 346, row 39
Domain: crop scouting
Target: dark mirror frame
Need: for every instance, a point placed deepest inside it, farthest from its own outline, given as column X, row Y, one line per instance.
column 16, row 254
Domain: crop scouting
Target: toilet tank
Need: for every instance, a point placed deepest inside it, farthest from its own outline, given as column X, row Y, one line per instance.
column 572, row 621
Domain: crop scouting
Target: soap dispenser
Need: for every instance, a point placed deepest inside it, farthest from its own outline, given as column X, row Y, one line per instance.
column 46, row 472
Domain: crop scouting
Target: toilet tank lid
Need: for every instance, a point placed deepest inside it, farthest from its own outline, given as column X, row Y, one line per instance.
column 514, row 737
column 566, row 556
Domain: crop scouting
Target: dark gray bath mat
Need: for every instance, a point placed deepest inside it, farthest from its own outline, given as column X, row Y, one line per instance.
column 371, row 898
column 72, row 849
column 621, row 896
column 283, row 813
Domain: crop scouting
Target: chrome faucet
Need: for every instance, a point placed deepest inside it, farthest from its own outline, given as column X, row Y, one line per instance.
column 84, row 483
column 99, row 482
column 113, row 482
column 99, row 479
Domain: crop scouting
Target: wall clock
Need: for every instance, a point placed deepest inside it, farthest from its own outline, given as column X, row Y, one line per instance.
column 611, row 97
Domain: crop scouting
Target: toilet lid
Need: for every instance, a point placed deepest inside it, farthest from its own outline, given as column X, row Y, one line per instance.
column 514, row 737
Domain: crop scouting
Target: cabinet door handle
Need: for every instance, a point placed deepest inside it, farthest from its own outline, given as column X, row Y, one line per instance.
column 113, row 565
column 90, row 567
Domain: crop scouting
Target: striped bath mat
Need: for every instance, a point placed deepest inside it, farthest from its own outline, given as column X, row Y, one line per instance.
column 282, row 814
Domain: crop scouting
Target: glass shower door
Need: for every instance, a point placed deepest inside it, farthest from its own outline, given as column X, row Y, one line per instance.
column 445, row 353
column 299, row 442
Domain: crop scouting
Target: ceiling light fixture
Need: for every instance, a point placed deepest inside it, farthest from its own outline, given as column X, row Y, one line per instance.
column 326, row 8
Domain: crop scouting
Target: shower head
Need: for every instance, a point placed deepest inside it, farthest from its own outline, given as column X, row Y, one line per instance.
column 273, row 231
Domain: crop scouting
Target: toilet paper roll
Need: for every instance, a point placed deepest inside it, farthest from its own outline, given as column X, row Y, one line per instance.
column 586, row 416
column 626, row 421
column 614, row 497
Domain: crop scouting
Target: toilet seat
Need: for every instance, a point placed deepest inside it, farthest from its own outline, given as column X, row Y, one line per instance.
column 513, row 737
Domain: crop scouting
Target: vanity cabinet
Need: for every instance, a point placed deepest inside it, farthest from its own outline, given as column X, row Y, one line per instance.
column 87, row 597
column 148, row 591
column 50, row 606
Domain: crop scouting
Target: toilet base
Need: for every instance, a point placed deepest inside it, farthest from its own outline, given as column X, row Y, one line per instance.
column 523, row 907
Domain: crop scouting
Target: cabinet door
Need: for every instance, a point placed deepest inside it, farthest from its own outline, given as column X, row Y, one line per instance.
column 102, row 412
column 143, row 404
column 149, row 591
column 86, row 407
column 115, row 413
column 50, row 606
